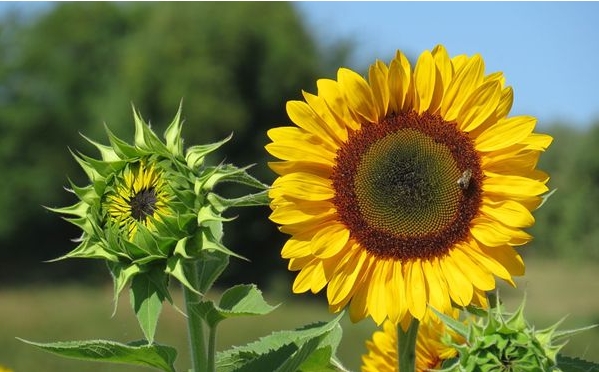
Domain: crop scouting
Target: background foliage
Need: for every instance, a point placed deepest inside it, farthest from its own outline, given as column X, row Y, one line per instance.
column 79, row 65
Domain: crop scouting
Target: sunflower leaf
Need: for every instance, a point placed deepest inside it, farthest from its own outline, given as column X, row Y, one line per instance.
column 147, row 294
column 135, row 353
column 568, row 364
column 311, row 348
column 240, row 300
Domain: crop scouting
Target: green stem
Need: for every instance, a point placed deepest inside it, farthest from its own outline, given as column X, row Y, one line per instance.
column 406, row 346
column 212, row 348
column 195, row 324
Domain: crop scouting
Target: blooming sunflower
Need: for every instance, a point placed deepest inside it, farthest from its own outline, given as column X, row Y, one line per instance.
column 411, row 187
column 431, row 351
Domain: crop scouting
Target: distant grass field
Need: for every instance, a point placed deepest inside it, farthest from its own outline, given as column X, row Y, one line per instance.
column 71, row 312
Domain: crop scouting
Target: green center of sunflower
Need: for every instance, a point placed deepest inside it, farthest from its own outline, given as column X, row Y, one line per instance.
column 407, row 187
column 143, row 204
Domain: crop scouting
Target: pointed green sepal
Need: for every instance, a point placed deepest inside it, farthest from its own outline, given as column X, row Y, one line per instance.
column 172, row 135
column 196, row 154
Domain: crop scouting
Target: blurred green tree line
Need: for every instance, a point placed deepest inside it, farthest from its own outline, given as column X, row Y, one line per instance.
column 80, row 65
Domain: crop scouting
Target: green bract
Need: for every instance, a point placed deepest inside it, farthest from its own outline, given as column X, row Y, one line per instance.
column 150, row 209
column 496, row 342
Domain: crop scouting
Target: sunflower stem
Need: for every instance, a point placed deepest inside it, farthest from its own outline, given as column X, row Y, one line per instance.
column 406, row 346
column 195, row 325
column 212, row 349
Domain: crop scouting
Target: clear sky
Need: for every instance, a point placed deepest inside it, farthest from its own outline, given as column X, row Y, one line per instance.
column 548, row 51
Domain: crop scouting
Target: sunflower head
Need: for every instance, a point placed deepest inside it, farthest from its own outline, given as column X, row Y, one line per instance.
column 150, row 207
column 431, row 347
column 408, row 188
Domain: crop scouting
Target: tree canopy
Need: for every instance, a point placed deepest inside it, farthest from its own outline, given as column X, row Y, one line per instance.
column 81, row 65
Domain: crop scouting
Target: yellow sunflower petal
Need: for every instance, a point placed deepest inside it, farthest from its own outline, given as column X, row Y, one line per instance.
column 303, row 186
column 400, row 90
column 337, row 127
column 444, row 65
column 343, row 284
column 424, row 80
column 287, row 167
column 493, row 233
column 358, row 308
column 304, row 117
column 509, row 212
column 538, row 141
column 377, row 294
column 329, row 90
column 396, row 303
column 505, row 133
column 513, row 185
column 438, row 296
column 300, row 151
column 481, row 104
column 303, row 280
column 460, row 288
column 507, row 257
column 377, row 76
column 329, row 240
column 466, row 79
column 477, row 274
column 296, row 248
column 415, row 289
column 358, row 94
column 289, row 213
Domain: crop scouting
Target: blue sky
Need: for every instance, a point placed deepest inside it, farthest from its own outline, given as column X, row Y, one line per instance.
column 548, row 51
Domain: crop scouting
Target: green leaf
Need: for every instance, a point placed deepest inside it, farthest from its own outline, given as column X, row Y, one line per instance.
column 568, row 364
column 240, row 300
column 135, row 353
column 295, row 361
column 147, row 295
column 285, row 351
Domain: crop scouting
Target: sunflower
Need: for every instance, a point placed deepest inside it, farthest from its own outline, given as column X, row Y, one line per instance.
column 431, row 351
column 150, row 210
column 140, row 197
column 410, row 188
